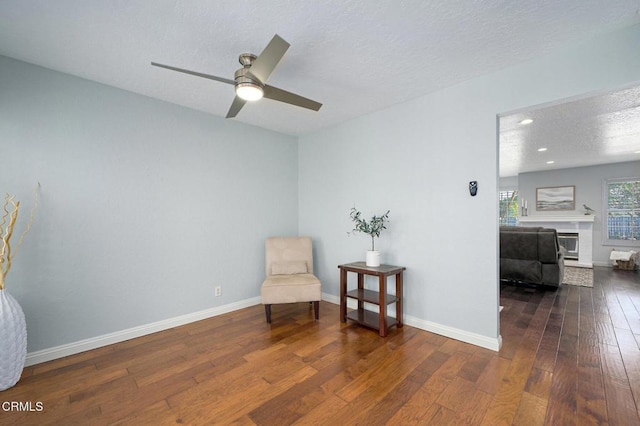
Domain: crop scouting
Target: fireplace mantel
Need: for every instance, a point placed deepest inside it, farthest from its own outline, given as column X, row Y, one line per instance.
column 582, row 225
column 553, row 219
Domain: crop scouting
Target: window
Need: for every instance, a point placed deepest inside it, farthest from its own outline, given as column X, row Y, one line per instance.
column 508, row 207
column 622, row 211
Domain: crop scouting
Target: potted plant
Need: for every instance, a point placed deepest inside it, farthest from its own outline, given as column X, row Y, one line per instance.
column 372, row 228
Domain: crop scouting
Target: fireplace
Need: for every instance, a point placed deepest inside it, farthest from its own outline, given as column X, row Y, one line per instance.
column 581, row 225
column 570, row 242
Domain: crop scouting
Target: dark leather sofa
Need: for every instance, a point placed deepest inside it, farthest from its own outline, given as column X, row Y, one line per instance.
column 531, row 255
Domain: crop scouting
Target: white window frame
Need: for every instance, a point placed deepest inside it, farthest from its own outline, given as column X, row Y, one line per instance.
column 605, row 216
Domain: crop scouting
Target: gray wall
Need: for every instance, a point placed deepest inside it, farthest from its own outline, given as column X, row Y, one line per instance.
column 417, row 158
column 145, row 206
column 509, row 183
column 589, row 189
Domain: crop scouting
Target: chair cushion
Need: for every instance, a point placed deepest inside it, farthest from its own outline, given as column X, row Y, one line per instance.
column 291, row 289
column 289, row 267
column 288, row 249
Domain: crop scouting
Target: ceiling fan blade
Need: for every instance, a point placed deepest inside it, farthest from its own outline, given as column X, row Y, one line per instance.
column 197, row 74
column 236, row 106
column 276, row 94
column 264, row 65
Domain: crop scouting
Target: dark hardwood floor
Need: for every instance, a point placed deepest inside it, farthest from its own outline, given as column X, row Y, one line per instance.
column 569, row 356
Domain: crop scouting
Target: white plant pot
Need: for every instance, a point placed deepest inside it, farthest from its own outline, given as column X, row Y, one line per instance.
column 373, row 258
column 13, row 340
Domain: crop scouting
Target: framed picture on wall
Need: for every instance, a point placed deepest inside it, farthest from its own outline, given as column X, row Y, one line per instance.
column 556, row 198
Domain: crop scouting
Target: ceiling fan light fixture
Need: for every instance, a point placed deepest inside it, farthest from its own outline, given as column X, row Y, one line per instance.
column 249, row 91
column 250, row 81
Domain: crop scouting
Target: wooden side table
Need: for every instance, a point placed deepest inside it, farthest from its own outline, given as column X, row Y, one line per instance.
column 381, row 321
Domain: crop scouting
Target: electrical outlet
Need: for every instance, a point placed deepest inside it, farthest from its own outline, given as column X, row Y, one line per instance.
column 218, row 291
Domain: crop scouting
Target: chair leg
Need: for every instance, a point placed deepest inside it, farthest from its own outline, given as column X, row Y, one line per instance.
column 316, row 308
column 267, row 310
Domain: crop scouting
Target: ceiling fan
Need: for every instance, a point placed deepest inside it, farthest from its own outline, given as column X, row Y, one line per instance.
column 250, row 80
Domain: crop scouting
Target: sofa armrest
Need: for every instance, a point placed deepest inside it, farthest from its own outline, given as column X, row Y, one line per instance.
column 548, row 246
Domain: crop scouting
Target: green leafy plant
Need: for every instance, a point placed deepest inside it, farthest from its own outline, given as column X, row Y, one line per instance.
column 372, row 228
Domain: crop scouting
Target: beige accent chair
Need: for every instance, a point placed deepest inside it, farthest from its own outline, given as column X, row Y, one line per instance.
column 290, row 279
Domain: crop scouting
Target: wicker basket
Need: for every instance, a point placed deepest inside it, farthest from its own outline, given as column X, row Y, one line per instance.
column 627, row 265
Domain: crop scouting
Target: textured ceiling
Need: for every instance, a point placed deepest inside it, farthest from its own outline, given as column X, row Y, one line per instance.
column 353, row 56
column 594, row 130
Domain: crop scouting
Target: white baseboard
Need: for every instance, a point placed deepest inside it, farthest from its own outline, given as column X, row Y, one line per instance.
column 61, row 351
column 331, row 298
column 493, row 344
column 73, row 348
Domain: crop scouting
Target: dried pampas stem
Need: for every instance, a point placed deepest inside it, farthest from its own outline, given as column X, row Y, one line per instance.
column 33, row 212
column 10, row 216
column 11, row 209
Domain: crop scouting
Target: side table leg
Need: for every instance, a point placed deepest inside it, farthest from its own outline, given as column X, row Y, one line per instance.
column 399, row 299
column 383, row 305
column 343, row 295
column 360, row 287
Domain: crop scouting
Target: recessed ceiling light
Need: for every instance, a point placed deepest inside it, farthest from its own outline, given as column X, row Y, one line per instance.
column 526, row 121
column 550, row 162
column 542, row 149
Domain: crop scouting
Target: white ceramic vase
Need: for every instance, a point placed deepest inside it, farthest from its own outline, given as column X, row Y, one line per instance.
column 373, row 258
column 13, row 340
